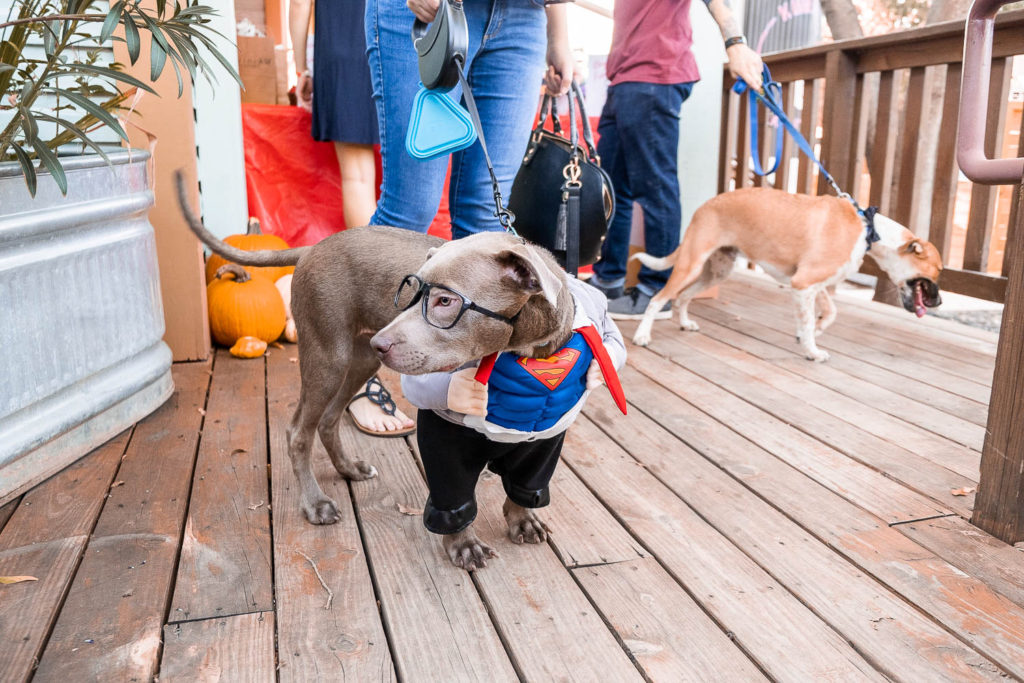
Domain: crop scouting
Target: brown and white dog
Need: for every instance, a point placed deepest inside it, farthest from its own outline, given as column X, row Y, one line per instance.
column 807, row 242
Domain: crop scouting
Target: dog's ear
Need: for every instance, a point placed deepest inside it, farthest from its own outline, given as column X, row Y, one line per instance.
column 432, row 251
column 525, row 267
column 914, row 247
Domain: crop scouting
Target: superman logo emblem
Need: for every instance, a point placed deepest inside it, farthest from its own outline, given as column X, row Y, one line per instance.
column 551, row 371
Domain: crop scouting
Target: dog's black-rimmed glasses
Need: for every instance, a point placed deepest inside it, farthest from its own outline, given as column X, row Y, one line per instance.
column 442, row 306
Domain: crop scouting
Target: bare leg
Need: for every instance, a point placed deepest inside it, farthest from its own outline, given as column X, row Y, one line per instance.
column 358, row 182
column 467, row 551
column 826, row 311
column 523, row 524
column 804, row 299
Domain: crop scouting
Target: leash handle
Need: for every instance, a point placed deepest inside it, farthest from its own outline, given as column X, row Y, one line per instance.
column 501, row 212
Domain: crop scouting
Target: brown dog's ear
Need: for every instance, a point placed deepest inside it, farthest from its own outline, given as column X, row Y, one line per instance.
column 528, row 271
column 432, row 251
column 915, row 247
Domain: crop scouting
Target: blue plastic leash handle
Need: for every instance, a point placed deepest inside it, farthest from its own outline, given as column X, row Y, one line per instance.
column 772, row 100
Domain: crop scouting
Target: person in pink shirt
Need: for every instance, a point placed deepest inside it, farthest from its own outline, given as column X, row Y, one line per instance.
column 652, row 70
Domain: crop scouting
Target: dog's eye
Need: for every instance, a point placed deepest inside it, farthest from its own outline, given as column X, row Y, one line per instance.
column 444, row 301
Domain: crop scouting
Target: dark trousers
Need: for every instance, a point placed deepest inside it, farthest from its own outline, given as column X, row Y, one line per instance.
column 453, row 458
column 639, row 148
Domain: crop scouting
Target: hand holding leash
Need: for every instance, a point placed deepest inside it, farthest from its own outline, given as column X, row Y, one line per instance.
column 745, row 64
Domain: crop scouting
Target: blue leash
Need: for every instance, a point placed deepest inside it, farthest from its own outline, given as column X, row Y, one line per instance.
column 772, row 100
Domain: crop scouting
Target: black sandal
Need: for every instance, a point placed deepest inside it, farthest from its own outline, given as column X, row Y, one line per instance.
column 378, row 395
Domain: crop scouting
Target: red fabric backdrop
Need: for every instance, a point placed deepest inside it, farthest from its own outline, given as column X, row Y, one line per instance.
column 293, row 181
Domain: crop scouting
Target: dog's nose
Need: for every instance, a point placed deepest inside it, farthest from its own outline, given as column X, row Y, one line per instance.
column 381, row 345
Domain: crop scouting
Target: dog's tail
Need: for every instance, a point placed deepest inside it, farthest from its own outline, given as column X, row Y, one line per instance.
column 263, row 257
column 656, row 262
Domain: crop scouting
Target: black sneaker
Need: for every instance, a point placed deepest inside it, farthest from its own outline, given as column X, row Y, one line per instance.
column 633, row 304
column 613, row 292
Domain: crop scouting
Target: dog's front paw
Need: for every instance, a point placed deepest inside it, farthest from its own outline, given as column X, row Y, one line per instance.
column 642, row 338
column 323, row 511
column 689, row 325
column 357, row 470
column 468, row 552
column 817, row 355
column 528, row 529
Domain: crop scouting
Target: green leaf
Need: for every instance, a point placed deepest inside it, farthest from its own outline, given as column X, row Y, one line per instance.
column 112, row 20
column 177, row 73
column 28, row 123
column 131, row 34
column 106, row 72
column 94, row 109
column 157, row 58
column 161, row 6
column 51, row 162
column 26, row 168
column 75, row 131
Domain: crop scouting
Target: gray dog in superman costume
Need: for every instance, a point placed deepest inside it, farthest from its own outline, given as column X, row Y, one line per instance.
column 509, row 414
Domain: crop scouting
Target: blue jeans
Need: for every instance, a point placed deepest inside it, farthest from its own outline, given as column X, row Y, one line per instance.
column 639, row 145
column 505, row 64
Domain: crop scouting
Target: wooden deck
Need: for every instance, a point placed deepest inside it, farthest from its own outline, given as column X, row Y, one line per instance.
column 755, row 516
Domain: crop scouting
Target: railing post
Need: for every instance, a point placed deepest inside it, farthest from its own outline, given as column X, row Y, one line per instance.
column 999, row 505
column 839, row 118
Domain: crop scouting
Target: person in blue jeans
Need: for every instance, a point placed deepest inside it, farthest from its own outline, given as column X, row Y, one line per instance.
column 508, row 43
column 651, row 72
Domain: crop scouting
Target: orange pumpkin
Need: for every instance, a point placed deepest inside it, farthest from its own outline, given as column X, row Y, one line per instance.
column 243, row 306
column 249, row 347
column 252, row 240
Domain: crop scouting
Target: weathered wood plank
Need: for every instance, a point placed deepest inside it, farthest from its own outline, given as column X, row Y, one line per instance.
column 936, row 421
column 897, row 638
column 869, row 435
column 969, row 370
column 947, row 172
column 784, row 173
column 865, row 486
column 129, row 565
column 664, row 629
column 764, row 618
column 781, row 319
column 904, row 208
column 728, row 315
column 858, row 137
column 584, row 532
column 225, row 557
column 957, row 541
column 883, row 148
column 238, row 648
column 743, row 146
column 727, row 143
column 438, row 626
column 346, row 641
column 551, row 629
column 45, row 538
column 7, row 510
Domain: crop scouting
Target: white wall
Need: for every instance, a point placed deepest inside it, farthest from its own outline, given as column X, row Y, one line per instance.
column 219, row 138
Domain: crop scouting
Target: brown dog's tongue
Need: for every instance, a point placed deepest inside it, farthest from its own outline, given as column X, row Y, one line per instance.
column 919, row 308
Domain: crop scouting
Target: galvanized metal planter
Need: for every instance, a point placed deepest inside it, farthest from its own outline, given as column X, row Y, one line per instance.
column 81, row 319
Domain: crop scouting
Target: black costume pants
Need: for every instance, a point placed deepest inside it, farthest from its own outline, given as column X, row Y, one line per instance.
column 454, row 456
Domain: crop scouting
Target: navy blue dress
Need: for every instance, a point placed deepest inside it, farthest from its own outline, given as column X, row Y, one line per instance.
column 343, row 107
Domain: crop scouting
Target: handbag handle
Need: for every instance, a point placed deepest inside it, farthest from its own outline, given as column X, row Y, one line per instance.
column 549, row 106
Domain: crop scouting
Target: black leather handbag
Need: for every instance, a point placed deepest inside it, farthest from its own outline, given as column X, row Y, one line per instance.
column 561, row 197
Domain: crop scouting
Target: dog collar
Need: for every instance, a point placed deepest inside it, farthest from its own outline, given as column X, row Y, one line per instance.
column 868, row 215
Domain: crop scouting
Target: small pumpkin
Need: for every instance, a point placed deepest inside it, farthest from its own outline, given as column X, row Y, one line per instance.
column 252, row 240
column 243, row 306
column 248, row 347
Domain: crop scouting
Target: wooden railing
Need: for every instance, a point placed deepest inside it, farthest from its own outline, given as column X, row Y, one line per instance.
column 883, row 113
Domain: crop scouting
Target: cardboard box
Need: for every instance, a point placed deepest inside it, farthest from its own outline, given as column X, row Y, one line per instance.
column 258, row 70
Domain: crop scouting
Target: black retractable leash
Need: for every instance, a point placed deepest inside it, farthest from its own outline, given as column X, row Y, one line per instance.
column 439, row 125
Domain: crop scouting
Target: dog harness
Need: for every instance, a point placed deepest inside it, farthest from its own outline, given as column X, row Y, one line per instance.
column 533, row 394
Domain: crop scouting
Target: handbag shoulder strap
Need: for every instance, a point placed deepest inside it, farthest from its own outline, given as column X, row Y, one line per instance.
column 588, row 135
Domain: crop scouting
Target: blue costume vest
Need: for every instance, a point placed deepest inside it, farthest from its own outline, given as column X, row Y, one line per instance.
column 532, row 394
